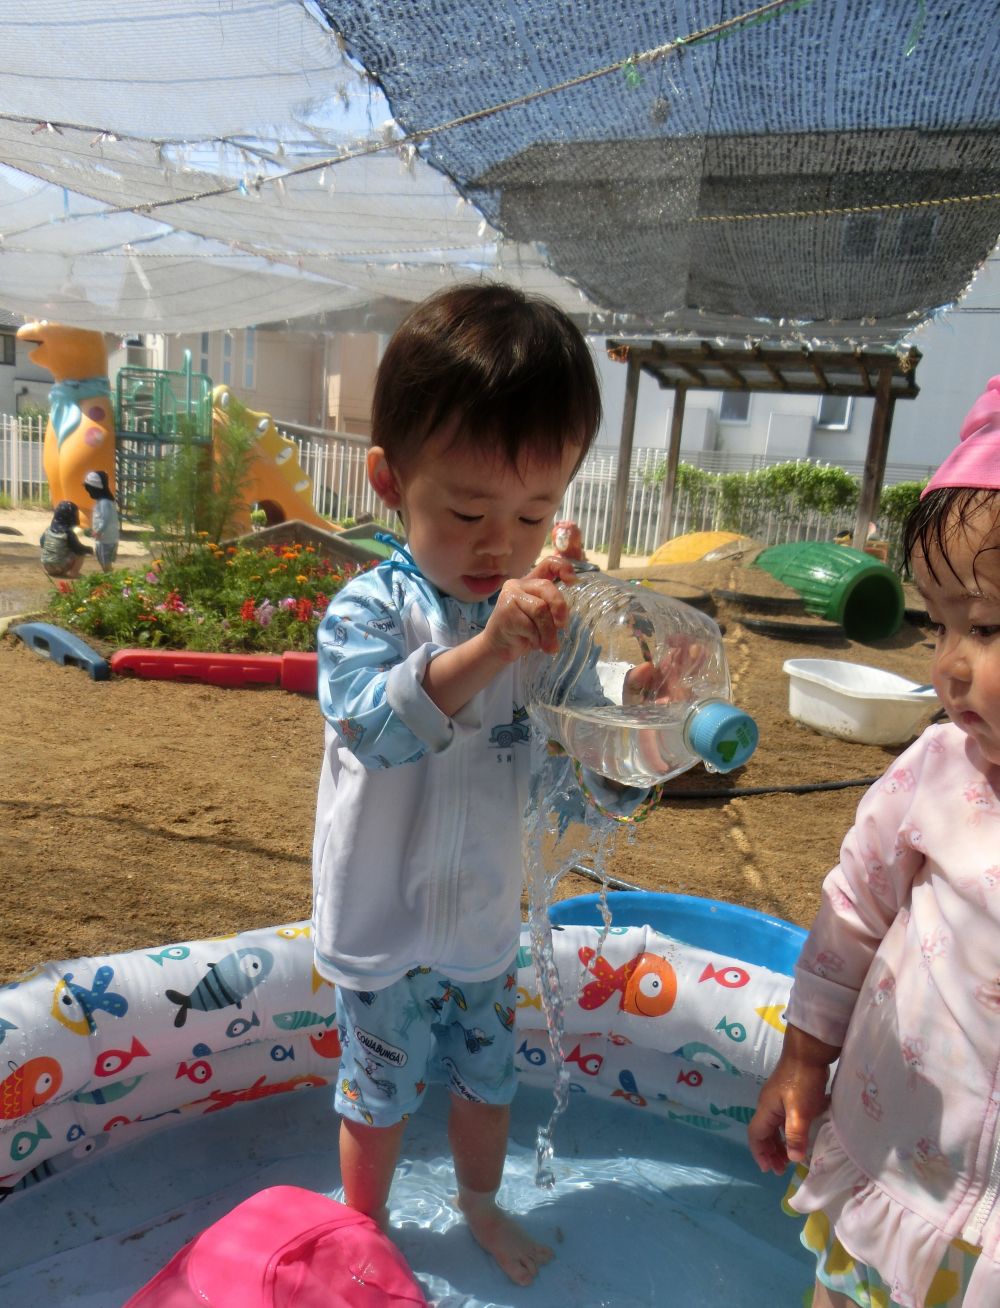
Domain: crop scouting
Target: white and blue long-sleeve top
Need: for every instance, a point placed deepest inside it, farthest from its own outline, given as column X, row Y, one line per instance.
column 417, row 849
column 105, row 524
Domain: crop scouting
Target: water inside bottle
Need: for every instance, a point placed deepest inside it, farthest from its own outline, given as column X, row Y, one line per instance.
column 638, row 745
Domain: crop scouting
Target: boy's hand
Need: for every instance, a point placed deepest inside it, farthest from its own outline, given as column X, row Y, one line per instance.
column 662, row 682
column 528, row 615
column 553, row 568
column 792, row 1097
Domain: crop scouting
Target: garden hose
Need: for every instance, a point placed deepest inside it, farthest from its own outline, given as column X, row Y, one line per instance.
column 766, row 790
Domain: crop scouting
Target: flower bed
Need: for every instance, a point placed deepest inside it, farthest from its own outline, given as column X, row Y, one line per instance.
column 215, row 598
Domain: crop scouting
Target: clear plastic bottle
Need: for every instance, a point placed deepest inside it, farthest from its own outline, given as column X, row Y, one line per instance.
column 639, row 690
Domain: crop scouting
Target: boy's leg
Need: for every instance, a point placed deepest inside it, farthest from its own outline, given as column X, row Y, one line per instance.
column 368, row 1157
column 477, row 1134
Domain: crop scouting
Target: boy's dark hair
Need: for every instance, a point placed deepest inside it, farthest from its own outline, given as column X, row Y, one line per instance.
column 511, row 370
column 937, row 519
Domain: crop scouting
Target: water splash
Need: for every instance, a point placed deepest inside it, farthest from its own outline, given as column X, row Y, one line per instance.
column 552, row 845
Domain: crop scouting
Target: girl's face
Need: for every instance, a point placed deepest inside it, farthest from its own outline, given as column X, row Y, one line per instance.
column 963, row 602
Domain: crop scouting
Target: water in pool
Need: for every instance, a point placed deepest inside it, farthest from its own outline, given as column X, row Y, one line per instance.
column 642, row 1211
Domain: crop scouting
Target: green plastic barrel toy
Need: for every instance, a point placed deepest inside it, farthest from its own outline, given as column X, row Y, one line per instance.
column 840, row 584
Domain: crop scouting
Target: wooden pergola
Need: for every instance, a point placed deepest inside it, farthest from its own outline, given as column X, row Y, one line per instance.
column 879, row 374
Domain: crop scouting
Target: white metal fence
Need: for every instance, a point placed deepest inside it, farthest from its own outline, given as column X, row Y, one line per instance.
column 22, row 477
column 335, row 463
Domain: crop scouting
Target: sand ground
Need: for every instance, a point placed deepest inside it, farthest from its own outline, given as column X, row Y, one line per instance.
column 135, row 813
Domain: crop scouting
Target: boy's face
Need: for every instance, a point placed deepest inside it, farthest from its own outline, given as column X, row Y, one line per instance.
column 473, row 521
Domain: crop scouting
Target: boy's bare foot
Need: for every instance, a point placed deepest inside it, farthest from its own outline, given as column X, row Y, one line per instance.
column 515, row 1251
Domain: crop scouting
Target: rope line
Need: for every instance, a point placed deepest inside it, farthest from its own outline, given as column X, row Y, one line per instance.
column 885, row 207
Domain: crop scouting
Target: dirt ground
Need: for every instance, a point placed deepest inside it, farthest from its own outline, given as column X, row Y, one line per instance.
column 135, row 813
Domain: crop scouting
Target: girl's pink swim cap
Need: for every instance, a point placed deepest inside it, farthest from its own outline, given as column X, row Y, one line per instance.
column 975, row 460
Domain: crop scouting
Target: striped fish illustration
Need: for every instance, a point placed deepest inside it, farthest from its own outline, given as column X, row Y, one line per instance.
column 303, row 1017
column 227, row 982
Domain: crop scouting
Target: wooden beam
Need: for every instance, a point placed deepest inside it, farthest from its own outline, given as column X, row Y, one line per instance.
column 863, row 366
column 878, row 448
column 617, row 533
column 692, row 371
column 775, row 374
column 673, row 458
column 720, row 359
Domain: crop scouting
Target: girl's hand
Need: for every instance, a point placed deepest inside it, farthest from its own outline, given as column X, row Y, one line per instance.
column 792, row 1098
column 528, row 615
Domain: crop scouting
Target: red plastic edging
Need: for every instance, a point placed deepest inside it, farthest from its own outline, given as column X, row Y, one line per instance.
column 292, row 670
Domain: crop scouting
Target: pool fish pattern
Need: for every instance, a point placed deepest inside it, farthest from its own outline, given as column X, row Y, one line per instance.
column 664, row 1026
column 98, row 1051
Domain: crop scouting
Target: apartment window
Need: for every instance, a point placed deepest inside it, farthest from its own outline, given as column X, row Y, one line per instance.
column 203, row 362
column 9, row 350
column 735, row 406
column 227, row 358
column 834, row 412
column 250, row 358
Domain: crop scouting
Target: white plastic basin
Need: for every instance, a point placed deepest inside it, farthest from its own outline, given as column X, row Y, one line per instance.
column 856, row 702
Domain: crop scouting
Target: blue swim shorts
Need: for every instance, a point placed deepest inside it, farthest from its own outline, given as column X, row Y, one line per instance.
column 423, row 1029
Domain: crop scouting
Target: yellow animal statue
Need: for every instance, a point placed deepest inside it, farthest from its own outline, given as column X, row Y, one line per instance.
column 277, row 481
column 80, row 432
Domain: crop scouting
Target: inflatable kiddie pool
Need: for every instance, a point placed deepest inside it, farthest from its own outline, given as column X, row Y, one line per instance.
column 116, row 1147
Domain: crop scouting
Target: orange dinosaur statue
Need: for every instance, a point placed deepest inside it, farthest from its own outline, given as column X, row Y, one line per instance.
column 277, row 481
column 80, row 432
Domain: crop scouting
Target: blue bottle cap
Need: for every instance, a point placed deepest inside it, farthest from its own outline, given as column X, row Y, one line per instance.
column 722, row 734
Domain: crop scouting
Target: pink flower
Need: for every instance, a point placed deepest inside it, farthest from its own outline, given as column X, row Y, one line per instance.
column 287, row 603
column 152, row 578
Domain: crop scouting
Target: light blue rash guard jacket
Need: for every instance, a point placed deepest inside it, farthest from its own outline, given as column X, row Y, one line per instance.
column 417, row 850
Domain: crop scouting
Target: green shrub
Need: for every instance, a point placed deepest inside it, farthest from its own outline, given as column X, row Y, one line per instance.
column 896, row 502
column 199, row 490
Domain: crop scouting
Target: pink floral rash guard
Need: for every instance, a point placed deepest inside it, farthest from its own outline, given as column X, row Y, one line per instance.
column 902, row 967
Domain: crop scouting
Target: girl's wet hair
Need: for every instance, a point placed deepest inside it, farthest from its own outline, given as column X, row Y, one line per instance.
column 944, row 514
column 506, row 373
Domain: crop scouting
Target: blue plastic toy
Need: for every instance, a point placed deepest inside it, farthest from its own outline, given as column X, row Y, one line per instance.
column 63, row 647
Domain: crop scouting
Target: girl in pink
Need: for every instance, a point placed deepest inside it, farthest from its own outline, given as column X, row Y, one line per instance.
column 899, row 979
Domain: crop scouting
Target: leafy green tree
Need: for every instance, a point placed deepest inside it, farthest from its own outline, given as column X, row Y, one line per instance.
column 199, row 490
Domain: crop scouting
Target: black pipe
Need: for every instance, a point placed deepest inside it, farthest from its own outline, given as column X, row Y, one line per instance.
column 766, row 790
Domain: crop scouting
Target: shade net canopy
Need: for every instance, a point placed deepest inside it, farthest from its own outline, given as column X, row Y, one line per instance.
column 818, row 170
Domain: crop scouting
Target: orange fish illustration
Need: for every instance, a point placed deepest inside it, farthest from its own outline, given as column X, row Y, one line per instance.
column 326, row 1044
column 647, row 984
column 29, row 1086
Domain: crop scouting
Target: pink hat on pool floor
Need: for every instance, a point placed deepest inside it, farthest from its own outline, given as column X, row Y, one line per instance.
column 975, row 460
